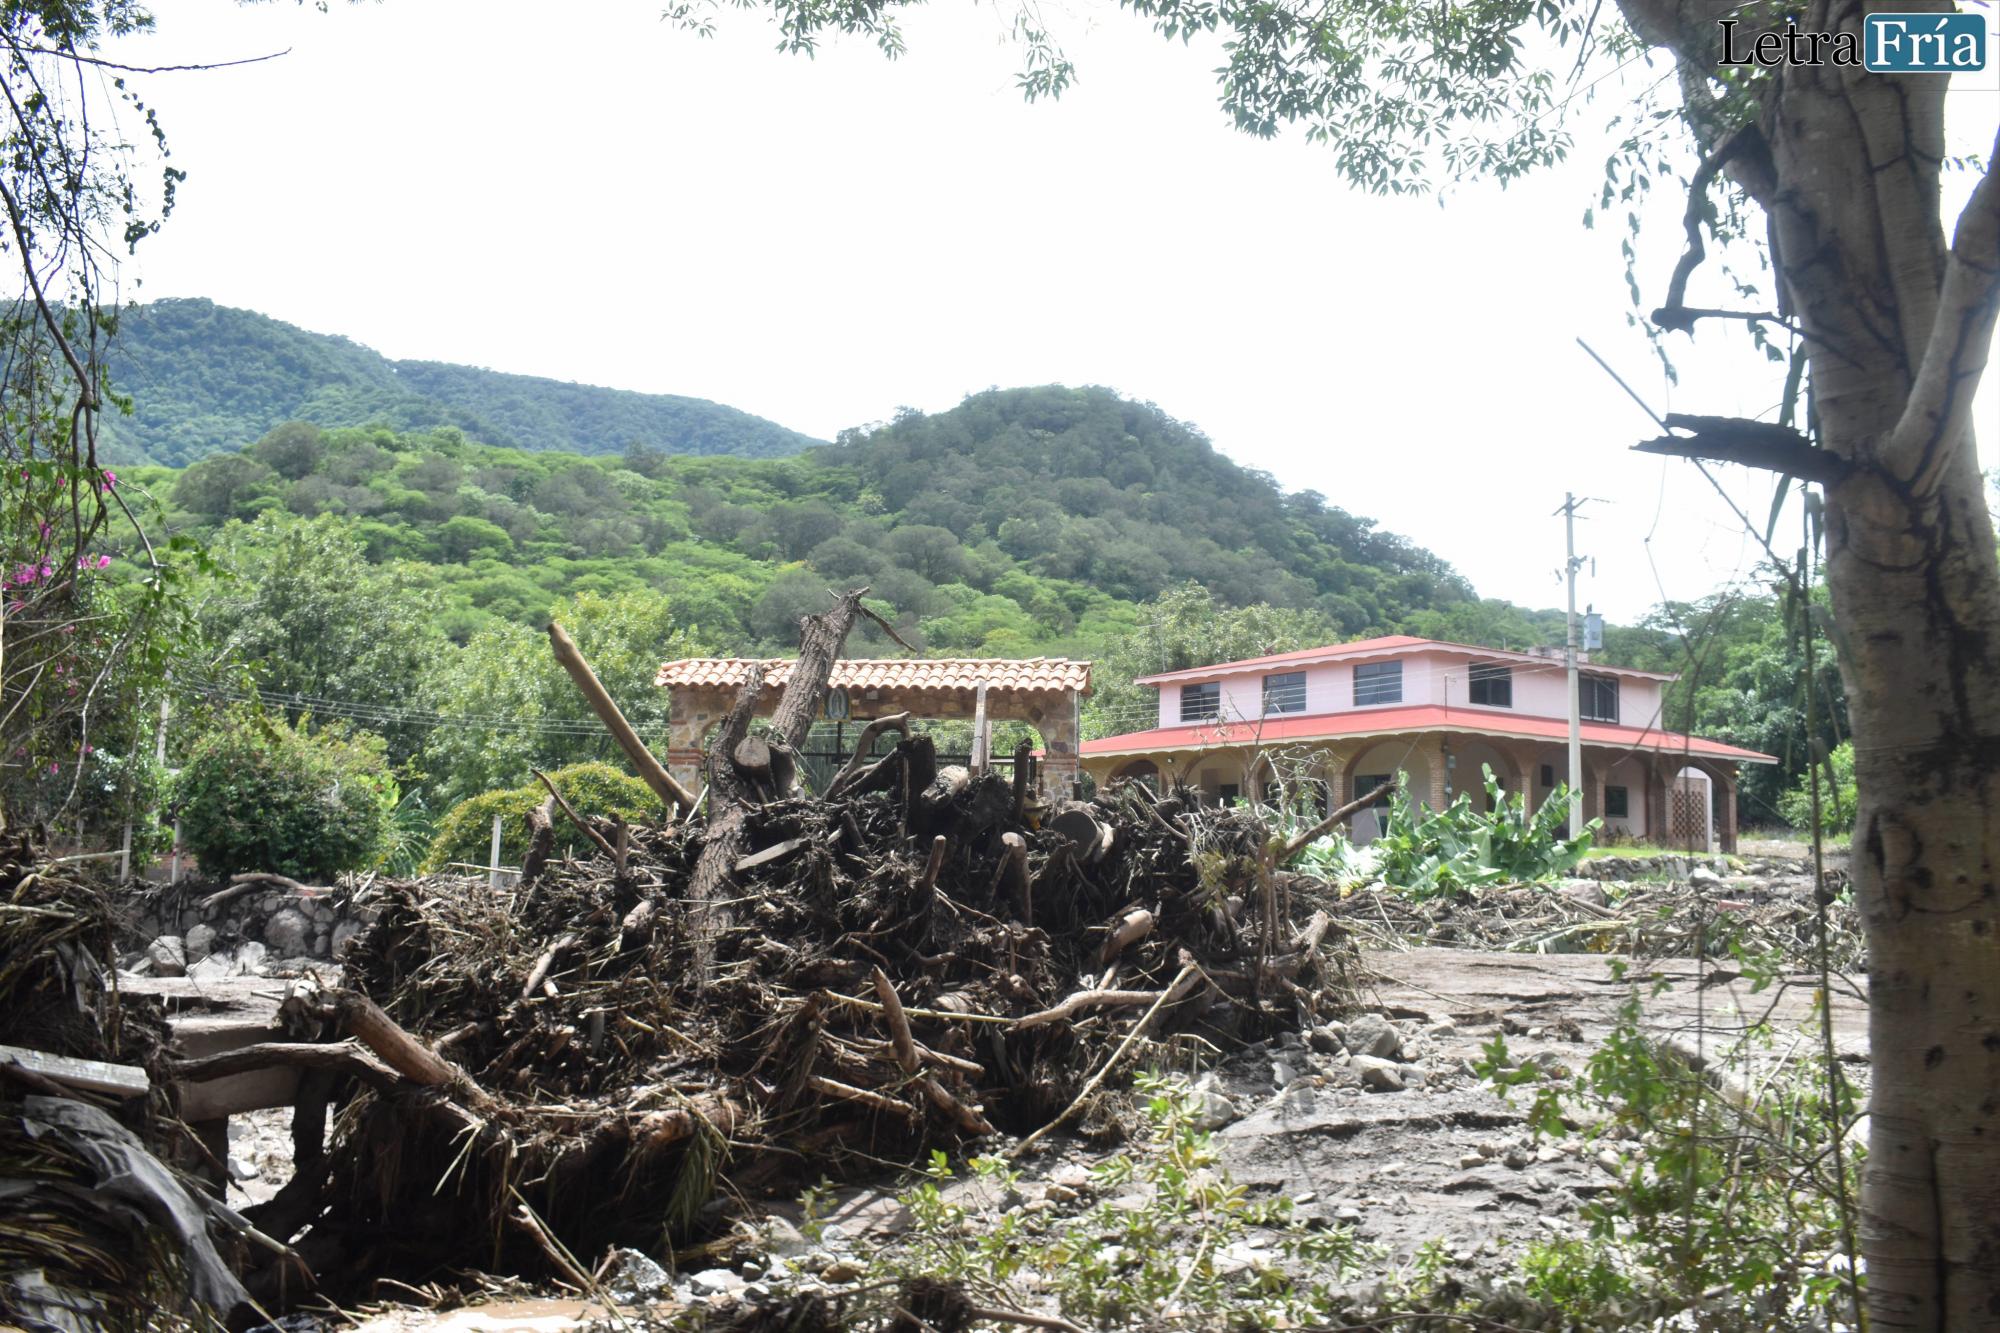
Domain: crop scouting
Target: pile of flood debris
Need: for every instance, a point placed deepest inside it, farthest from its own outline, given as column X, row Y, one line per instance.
column 775, row 988
column 95, row 1230
column 1771, row 906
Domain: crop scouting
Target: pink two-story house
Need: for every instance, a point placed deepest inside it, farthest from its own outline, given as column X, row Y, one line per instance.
column 1347, row 716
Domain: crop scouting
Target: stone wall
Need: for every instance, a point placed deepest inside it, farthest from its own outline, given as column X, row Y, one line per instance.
column 262, row 928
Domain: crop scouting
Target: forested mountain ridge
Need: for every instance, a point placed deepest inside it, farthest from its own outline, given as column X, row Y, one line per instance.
column 205, row 378
column 1023, row 520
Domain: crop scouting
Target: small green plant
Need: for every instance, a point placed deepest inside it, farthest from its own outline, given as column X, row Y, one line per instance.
column 1179, row 1256
column 1721, row 1200
column 1836, row 798
column 259, row 794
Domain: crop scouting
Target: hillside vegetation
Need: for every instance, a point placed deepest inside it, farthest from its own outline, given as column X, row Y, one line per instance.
column 401, row 579
column 207, row 379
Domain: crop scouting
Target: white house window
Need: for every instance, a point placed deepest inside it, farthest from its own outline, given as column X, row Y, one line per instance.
column 1492, row 686
column 1200, row 703
column 1378, row 683
column 1285, row 693
column 1598, row 696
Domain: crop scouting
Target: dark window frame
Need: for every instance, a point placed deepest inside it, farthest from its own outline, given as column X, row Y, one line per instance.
column 1375, row 687
column 1497, row 680
column 1207, row 693
column 1623, row 801
column 1297, row 702
column 1591, row 692
column 1367, row 782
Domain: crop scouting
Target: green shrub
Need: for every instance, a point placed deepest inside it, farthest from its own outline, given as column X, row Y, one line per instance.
column 1426, row 852
column 465, row 834
column 1836, row 801
column 258, row 794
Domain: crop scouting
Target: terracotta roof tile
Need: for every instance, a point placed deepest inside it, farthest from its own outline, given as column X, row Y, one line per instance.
column 1034, row 675
column 1417, row 717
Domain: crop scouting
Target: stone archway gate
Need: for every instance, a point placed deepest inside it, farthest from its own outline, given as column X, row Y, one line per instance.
column 1044, row 692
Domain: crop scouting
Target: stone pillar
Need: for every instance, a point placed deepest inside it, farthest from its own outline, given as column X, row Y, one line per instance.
column 1725, row 809
column 689, row 714
column 1061, row 731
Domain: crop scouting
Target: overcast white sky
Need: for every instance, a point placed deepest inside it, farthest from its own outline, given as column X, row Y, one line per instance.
column 582, row 192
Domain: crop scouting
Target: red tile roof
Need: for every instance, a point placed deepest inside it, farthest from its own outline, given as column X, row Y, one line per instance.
column 1421, row 717
column 1034, row 675
column 1388, row 643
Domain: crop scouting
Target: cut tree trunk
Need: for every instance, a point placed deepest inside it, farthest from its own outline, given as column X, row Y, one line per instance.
column 1898, row 330
column 731, row 788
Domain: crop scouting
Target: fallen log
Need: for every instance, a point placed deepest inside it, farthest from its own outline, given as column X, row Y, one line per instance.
column 1135, row 926
column 649, row 768
column 1325, row 826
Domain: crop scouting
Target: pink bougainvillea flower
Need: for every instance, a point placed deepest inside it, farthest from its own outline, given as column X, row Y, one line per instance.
column 55, row 768
column 110, row 480
column 104, row 562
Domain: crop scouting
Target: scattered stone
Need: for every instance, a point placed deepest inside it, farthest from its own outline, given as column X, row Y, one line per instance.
column 1517, row 1158
column 758, row 1292
column 841, row 1270
column 1216, row 1110
column 242, row 1168
column 715, row 1282
column 1381, row 1075
column 1055, row 1193
column 1610, row 1161
column 1467, row 1161
column 1347, row 1213
column 1701, row 877
column 200, row 940
column 343, row 935
column 1282, row 1073
column 1073, row 1175
column 1326, row 1038
column 634, row 1277
column 1372, row 1034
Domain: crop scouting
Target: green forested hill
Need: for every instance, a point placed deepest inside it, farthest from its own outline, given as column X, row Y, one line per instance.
column 205, row 379
column 400, row 579
column 1023, row 520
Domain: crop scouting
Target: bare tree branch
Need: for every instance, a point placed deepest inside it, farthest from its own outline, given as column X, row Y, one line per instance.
column 1936, row 422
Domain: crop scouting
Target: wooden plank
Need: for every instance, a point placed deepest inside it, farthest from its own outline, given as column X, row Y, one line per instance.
column 95, row 1075
column 777, row 851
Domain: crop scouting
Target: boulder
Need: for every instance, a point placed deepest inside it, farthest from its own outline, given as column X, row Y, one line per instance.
column 1374, row 1035
column 288, row 933
column 200, row 940
column 168, row 956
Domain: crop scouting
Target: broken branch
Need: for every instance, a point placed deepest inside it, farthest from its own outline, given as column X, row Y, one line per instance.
column 650, row 770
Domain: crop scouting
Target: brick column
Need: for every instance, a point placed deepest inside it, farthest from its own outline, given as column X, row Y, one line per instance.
column 1725, row 810
column 688, row 718
column 1656, row 802
column 1433, row 751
